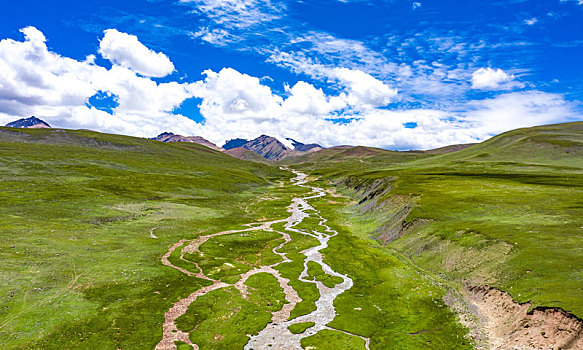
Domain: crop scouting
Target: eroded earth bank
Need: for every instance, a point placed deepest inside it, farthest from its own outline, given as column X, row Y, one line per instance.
column 466, row 261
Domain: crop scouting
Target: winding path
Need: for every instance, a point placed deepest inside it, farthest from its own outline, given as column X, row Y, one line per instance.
column 276, row 335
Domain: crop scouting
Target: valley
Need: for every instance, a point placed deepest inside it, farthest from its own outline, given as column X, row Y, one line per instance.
column 113, row 242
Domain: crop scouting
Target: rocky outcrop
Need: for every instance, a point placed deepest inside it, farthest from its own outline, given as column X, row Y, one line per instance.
column 170, row 137
column 30, row 123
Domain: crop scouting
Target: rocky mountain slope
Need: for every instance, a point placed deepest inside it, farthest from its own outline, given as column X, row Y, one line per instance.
column 267, row 146
column 234, row 143
column 272, row 148
column 300, row 147
column 32, row 123
column 170, row 137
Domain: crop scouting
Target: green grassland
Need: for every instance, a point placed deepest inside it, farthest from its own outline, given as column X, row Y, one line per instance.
column 330, row 340
column 301, row 327
column 223, row 319
column 79, row 266
column 86, row 217
column 507, row 212
column 391, row 302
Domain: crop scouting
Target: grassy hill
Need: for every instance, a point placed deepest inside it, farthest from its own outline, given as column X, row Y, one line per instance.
column 507, row 212
column 345, row 159
column 557, row 145
column 242, row 153
column 85, row 218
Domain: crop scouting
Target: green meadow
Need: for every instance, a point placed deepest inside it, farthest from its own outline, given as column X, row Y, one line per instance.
column 86, row 218
column 506, row 212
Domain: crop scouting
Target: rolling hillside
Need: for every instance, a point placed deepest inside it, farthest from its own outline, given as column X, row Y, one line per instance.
column 85, row 219
column 505, row 213
column 101, row 241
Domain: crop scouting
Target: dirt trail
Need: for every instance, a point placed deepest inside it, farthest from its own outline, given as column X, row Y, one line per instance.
column 169, row 330
column 276, row 334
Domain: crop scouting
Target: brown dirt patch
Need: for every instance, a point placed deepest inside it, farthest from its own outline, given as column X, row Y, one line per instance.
column 509, row 325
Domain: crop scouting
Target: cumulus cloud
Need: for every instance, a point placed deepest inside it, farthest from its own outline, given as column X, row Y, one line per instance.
column 531, row 21
column 306, row 99
column 364, row 91
column 127, row 51
column 37, row 81
column 492, row 79
column 238, row 105
column 518, row 109
column 32, row 34
column 235, row 95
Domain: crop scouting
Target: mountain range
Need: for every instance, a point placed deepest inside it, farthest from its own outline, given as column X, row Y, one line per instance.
column 268, row 147
column 272, row 148
column 263, row 148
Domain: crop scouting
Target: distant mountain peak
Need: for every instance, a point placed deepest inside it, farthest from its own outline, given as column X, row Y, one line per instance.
column 234, row 143
column 32, row 123
column 298, row 146
column 267, row 146
column 164, row 137
column 171, row 137
column 271, row 148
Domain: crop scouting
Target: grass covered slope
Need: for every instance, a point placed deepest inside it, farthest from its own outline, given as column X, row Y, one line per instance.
column 345, row 159
column 85, row 218
column 507, row 212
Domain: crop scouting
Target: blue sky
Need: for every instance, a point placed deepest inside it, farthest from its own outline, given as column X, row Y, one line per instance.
column 393, row 74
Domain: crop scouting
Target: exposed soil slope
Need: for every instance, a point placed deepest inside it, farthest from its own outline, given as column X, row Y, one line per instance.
column 510, row 325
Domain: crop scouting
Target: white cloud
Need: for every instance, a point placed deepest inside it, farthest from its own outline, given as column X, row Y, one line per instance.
column 36, row 81
column 518, row 109
column 264, row 28
column 364, row 91
column 348, row 53
column 127, row 51
column 492, row 79
column 238, row 105
column 32, row 34
column 307, row 100
column 531, row 21
column 234, row 96
column 239, row 14
column 218, row 37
